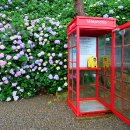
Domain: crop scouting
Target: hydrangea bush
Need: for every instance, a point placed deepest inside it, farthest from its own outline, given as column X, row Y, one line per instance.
column 33, row 58
column 33, row 49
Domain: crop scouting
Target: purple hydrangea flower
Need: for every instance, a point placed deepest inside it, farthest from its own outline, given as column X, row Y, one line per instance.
column 47, row 18
column 18, row 74
column 2, row 29
column 19, row 42
column 50, row 76
column 22, row 45
column 1, row 25
column 21, row 53
column 6, row 82
column 15, row 42
column 57, row 42
column 14, row 47
column 15, row 57
column 4, row 78
column 10, row 2
column 14, row 84
column 51, row 62
column 7, row 26
column 56, row 77
column 11, row 71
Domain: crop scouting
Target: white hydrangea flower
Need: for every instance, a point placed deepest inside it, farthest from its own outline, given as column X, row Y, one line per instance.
column 53, row 54
column 48, row 54
column 39, row 68
column 50, row 57
column 58, row 68
column 65, row 78
column 8, row 99
column 16, row 98
column 21, row 90
column 18, row 87
column 59, row 89
column 65, row 84
column 41, row 60
column 65, row 66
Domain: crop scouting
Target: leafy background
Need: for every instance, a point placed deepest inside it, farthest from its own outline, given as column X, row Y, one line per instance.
column 33, row 45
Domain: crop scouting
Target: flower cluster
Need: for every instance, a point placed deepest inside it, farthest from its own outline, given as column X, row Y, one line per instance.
column 31, row 59
column 113, row 9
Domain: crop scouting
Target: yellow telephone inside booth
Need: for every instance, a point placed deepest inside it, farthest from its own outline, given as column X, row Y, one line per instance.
column 92, row 62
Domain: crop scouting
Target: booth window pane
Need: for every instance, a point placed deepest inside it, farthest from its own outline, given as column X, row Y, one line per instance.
column 127, row 91
column 108, row 51
column 74, row 99
column 127, row 74
column 71, row 54
column 71, row 81
column 119, row 38
column 118, row 62
column 108, row 40
column 71, row 41
column 87, row 49
column 74, row 84
column 126, row 112
column 87, row 84
column 71, row 64
column 101, row 43
column 74, row 65
column 70, row 95
column 74, row 54
column 74, row 38
column 127, row 56
column 101, row 81
column 118, row 87
column 127, row 36
column 118, row 104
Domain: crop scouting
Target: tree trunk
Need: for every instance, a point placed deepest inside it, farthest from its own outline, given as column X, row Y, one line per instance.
column 79, row 7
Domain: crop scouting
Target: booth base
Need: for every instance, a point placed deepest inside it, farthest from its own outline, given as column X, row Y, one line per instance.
column 92, row 106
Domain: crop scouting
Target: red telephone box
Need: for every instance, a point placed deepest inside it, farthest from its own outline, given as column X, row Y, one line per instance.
column 95, row 90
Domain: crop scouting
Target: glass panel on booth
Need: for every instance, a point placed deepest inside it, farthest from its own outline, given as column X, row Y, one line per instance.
column 87, row 83
column 74, row 54
column 87, row 50
column 71, row 40
column 71, row 54
column 74, row 38
column 118, row 55
column 127, row 36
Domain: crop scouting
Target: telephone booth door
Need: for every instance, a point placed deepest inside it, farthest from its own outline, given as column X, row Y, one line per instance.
column 121, row 91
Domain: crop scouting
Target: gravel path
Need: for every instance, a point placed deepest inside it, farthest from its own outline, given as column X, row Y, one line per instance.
column 46, row 113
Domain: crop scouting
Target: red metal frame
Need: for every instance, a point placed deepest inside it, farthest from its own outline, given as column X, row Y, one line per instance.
column 95, row 27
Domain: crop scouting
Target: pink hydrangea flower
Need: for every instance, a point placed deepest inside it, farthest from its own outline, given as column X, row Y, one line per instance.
column 8, row 57
column 1, row 55
column 2, row 63
column 2, row 47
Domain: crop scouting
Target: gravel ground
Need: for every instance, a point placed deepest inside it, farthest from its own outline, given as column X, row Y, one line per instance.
column 46, row 113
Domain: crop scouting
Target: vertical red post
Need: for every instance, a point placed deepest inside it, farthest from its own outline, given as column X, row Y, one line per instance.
column 97, row 87
column 77, row 69
column 112, row 69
